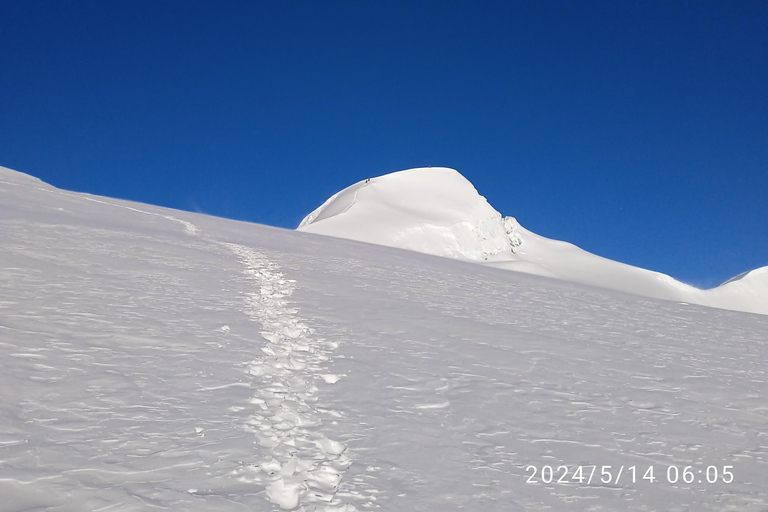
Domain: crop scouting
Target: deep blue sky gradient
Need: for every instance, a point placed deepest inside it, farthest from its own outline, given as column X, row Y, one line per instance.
column 637, row 130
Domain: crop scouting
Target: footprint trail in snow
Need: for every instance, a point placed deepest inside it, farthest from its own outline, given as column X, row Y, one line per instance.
column 302, row 469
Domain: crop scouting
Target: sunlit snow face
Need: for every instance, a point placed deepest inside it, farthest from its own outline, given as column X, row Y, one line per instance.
column 239, row 367
column 437, row 211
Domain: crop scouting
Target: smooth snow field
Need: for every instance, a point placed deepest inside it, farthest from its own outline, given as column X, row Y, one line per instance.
column 153, row 359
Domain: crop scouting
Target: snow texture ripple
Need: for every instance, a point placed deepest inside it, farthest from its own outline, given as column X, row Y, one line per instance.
column 302, row 469
column 129, row 380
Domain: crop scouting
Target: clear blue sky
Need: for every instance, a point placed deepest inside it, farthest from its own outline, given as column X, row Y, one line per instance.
column 637, row 130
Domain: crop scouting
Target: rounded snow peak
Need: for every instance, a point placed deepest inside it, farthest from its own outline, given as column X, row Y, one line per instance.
column 434, row 210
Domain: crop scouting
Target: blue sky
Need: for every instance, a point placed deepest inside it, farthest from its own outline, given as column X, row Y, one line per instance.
column 637, row 130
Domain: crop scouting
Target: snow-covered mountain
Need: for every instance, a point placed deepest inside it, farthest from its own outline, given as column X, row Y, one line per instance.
column 157, row 359
column 438, row 211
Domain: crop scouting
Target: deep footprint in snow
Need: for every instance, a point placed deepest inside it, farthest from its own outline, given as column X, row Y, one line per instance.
column 302, row 469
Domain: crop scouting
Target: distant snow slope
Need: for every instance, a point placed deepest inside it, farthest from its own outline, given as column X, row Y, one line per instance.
column 156, row 359
column 438, row 211
column 431, row 210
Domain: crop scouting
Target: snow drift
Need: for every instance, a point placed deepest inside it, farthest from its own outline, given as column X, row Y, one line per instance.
column 438, row 211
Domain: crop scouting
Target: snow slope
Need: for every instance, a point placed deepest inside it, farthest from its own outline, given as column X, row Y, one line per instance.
column 435, row 211
column 438, row 211
column 155, row 359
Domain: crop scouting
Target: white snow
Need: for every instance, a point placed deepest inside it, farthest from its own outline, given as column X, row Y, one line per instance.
column 437, row 211
column 431, row 210
column 303, row 466
column 145, row 365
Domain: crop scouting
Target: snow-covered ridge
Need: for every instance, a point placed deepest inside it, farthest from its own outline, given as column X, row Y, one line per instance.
column 437, row 211
column 433, row 210
column 12, row 177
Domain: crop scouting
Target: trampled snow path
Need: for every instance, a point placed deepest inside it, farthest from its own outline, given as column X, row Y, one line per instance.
column 189, row 228
column 303, row 469
column 299, row 467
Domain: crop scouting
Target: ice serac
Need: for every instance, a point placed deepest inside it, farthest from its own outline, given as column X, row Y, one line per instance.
column 434, row 210
column 437, row 211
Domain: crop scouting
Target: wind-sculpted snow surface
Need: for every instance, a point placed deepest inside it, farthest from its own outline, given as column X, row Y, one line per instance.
column 128, row 378
column 437, row 211
column 237, row 367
